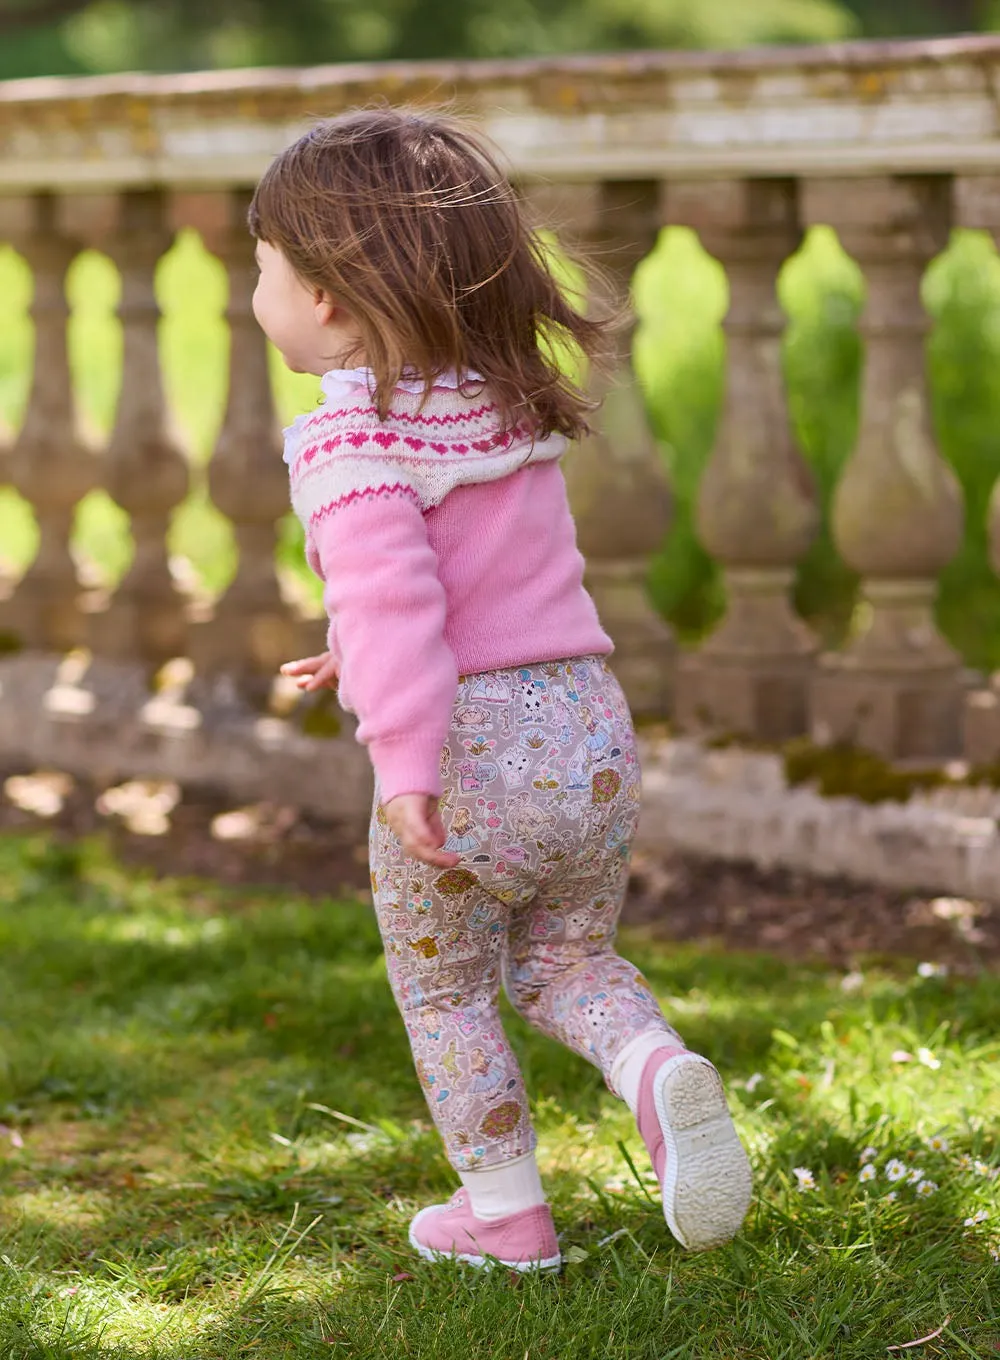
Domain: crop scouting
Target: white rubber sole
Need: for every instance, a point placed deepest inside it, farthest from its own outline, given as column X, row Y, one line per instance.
column 707, row 1183
column 550, row 1263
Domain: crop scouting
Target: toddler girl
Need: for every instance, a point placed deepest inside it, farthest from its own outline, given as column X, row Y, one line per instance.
column 396, row 263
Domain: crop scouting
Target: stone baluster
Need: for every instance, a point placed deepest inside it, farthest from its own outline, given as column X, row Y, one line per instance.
column 977, row 205
column 49, row 463
column 757, row 508
column 981, row 727
column 897, row 514
column 616, row 478
column 252, row 630
column 146, row 472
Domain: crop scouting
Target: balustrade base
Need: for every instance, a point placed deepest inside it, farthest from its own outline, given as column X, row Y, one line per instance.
column 737, row 805
column 646, row 676
column 153, row 628
column 262, row 639
column 900, row 715
column 981, row 724
column 762, row 697
column 102, row 722
column 645, row 651
column 35, row 615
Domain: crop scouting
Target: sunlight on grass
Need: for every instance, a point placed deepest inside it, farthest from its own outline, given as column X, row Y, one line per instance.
column 222, row 1142
column 64, row 1208
column 146, row 925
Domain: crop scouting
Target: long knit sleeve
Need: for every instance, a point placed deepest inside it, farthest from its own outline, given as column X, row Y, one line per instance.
column 382, row 590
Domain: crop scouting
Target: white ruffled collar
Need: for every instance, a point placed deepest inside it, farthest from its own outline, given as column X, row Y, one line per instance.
column 338, row 382
column 334, row 382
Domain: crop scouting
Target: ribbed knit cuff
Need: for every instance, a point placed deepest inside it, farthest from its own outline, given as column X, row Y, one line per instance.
column 410, row 764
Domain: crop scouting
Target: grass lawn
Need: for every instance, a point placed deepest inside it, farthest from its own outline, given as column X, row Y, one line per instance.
column 176, row 1182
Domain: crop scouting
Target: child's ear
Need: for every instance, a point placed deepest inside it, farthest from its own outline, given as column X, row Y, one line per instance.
column 324, row 307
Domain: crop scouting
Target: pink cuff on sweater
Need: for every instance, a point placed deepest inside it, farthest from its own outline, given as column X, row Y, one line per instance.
column 410, row 764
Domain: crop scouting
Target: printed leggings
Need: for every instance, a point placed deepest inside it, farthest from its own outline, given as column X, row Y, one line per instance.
column 541, row 800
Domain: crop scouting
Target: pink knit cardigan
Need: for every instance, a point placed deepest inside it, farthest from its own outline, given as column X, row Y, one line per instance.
column 446, row 548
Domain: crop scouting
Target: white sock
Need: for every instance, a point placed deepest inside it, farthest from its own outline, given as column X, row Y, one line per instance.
column 496, row 1191
column 628, row 1067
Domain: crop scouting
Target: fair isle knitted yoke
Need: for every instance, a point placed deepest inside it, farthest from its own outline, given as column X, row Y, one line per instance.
column 446, row 547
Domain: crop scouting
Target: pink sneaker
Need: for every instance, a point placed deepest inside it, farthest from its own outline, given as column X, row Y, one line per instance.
column 521, row 1241
column 698, row 1158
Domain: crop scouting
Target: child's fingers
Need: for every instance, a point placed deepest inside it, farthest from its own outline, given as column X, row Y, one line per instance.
column 313, row 672
column 308, row 665
column 437, row 827
column 429, row 854
column 421, row 833
column 427, row 843
column 327, row 676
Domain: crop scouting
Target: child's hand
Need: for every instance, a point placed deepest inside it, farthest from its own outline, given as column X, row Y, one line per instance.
column 415, row 819
column 313, row 672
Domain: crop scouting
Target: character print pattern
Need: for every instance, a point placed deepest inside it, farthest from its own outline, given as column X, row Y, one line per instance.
column 541, row 800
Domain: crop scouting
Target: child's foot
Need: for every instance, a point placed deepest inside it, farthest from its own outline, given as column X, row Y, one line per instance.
column 698, row 1158
column 521, row 1241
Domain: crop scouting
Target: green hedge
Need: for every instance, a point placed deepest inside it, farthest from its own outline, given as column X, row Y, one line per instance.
column 680, row 356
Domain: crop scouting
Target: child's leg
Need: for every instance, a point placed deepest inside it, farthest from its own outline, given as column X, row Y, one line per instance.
column 563, row 975
column 575, row 988
column 445, row 980
column 443, row 938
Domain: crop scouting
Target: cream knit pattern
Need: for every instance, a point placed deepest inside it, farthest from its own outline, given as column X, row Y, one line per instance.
column 425, row 448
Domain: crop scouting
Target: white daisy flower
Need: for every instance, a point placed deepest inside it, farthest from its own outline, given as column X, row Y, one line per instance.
column 938, row 1143
column 928, row 1059
column 984, row 1168
column 915, row 1176
column 926, row 1187
column 964, row 1162
column 981, row 1217
column 852, row 982
column 754, row 1081
column 895, row 1169
column 804, row 1177
column 868, row 1155
column 930, row 970
column 995, row 1252
column 867, row 1173
column 892, row 1195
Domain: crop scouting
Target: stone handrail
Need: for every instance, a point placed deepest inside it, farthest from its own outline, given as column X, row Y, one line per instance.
column 892, row 144
column 855, row 108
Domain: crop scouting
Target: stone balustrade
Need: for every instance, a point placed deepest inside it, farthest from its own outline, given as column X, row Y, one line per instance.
column 893, row 145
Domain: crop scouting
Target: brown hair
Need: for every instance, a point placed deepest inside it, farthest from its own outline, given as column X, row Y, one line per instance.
column 408, row 221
